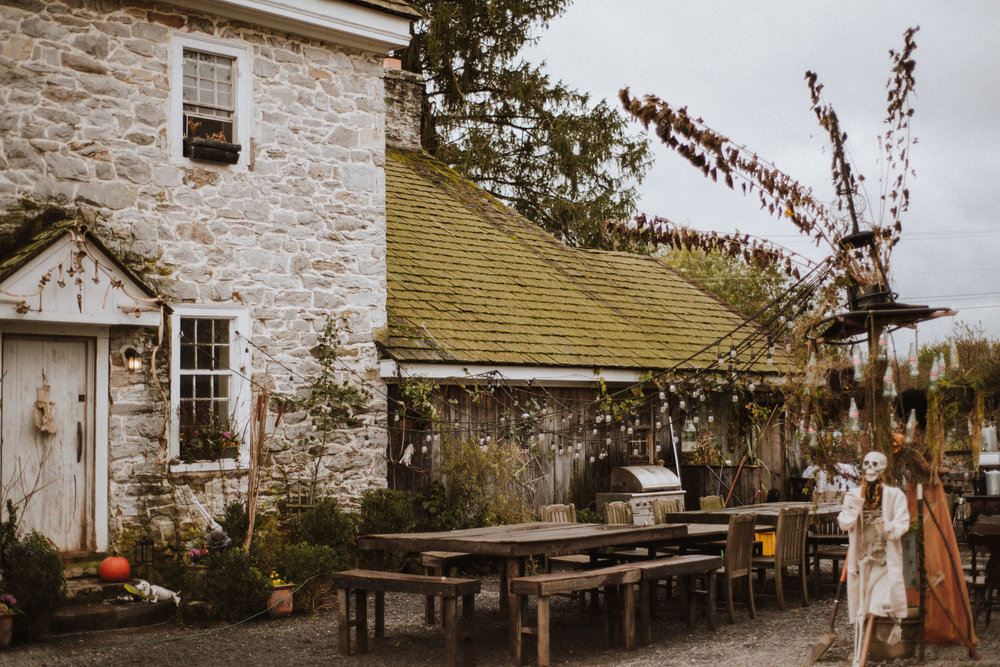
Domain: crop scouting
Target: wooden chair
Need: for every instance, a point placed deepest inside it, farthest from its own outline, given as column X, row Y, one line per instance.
column 825, row 540
column 789, row 549
column 559, row 513
column 664, row 506
column 710, row 502
column 618, row 512
column 737, row 560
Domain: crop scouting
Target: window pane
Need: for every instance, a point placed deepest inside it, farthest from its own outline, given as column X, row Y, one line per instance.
column 187, row 356
column 204, row 331
column 221, row 331
column 222, row 386
column 203, row 386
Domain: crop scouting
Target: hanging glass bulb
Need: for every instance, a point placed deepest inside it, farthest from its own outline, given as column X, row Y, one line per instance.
column 673, row 389
column 608, row 441
column 736, row 398
column 682, row 404
column 623, row 427
column 629, row 430
column 882, row 345
column 942, row 366
column 911, row 358
column 579, row 445
column 732, row 351
column 663, row 408
column 719, row 358
column 427, row 437
column 812, row 436
column 888, row 374
column 483, row 447
column 635, row 451
column 591, row 458
column 423, row 449
column 702, row 396
column 751, row 386
column 695, row 419
column 711, row 418
column 953, row 356
column 595, row 431
column 659, row 425
column 911, row 427
column 689, row 426
column 933, row 377
column 663, row 395
column 854, row 424
column 856, row 360
column 888, row 389
column 659, row 448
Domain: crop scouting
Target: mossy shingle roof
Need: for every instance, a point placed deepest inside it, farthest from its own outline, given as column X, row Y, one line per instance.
column 470, row 281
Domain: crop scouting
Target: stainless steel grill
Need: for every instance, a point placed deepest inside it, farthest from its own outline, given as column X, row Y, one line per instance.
column 640, row 486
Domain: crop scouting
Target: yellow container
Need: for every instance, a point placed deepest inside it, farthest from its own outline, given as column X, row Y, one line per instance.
column 767, row 543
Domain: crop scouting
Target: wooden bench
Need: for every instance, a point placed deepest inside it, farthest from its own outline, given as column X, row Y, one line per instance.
column 545, row 585
column 686, row 568
column 441, row 563
column 449, row 588
column 826, row 541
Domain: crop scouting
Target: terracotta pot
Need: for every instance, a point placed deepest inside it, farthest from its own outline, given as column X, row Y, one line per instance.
column 279, row 605
column 6, row 628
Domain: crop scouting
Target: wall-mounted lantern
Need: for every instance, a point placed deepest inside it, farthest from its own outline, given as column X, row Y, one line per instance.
column 133, row 361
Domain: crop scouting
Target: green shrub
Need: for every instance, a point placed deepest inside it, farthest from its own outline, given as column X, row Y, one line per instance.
column 33, row 574
column 309, row 566
column 235, row 522
column 587, row 515
column 387, row 511
column 439, row 513
column 327, row 524
column 235, row 587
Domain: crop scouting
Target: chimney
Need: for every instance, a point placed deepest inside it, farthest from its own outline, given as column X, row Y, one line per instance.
column 404, row 93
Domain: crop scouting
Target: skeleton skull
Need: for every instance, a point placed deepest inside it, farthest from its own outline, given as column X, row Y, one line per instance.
column 874, row 465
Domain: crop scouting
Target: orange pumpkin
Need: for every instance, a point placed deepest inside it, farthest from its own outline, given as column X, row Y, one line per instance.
column 114, row 568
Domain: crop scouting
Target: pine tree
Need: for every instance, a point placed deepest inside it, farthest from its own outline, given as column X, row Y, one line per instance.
column 545, row 150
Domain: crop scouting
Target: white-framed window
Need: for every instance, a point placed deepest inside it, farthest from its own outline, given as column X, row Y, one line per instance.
column 210, row 100
column 209, row 387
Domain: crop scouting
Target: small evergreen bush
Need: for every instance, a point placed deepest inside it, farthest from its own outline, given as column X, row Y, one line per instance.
column 308, row 566
column 387, row 511
column 327, row 524
column 235, row 586
column 33, row 573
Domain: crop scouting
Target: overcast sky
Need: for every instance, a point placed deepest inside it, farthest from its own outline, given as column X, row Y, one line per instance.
column 739, row 66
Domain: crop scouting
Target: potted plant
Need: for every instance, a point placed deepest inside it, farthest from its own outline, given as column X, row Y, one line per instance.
column 8, row 607
column 279, row 604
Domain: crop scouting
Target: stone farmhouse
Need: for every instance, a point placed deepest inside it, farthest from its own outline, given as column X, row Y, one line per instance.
column 189, row 191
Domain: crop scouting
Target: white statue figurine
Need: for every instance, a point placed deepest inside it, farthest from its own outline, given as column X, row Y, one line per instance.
column 875, row 517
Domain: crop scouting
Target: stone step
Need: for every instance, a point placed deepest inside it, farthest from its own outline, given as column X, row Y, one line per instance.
column 88, row 590
column 110, row 615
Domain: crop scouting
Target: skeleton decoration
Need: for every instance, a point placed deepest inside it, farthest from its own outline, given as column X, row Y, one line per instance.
column 875, row 517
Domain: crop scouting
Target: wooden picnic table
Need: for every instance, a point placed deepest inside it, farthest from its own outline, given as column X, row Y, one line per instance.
column 767, row 513
column 515, row 542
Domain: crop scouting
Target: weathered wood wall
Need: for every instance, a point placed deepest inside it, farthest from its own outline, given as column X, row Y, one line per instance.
column 570, row 453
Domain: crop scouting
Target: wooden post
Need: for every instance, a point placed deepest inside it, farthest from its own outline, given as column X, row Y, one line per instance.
column 449, row 614
column 361, row 619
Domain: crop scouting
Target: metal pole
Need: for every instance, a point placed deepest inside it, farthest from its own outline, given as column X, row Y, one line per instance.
column 921, row 574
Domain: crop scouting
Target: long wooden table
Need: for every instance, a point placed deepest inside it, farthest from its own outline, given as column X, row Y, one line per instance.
column 514, row 543
column 767, row 513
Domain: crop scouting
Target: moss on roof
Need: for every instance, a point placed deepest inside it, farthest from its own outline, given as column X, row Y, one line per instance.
column 470, row 281
column 44, row 234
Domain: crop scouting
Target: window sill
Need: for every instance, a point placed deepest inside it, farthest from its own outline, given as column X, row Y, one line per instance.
column 221, row 465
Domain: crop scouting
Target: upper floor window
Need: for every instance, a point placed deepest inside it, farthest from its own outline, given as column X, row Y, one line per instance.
column 210, row 99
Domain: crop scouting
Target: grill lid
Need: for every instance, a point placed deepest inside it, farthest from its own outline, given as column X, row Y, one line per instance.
column 640, row 479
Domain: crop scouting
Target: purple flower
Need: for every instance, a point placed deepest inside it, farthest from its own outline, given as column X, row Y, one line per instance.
column 227, row 435
column 8, row 599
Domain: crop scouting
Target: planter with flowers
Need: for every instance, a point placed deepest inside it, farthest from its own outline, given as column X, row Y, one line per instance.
column 8, row 607
column 279, row 605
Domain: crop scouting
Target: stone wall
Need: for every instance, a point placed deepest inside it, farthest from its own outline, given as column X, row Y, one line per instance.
column 403, row 103
column 295, row 236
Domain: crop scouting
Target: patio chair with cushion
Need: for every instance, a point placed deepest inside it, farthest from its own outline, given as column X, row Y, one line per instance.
column 789, row 549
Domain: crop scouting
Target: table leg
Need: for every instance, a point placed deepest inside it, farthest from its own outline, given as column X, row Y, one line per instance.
column 512, row 570
column 629, row 620
column 379, row 614
column 343, row 621
column 468, row 634
column 361, row 619
column 712, row 594
column 543, row 631
column 449, row 614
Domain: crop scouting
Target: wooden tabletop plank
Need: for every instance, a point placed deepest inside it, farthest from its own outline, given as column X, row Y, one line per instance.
column 526, row 539
column 767, row 513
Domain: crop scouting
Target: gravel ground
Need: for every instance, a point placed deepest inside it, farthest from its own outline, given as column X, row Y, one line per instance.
column 775, row 638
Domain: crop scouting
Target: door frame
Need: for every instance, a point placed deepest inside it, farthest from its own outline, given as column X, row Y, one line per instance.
column 100, row 335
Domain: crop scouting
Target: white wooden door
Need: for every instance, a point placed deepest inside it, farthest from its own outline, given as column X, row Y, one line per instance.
column 48, row 469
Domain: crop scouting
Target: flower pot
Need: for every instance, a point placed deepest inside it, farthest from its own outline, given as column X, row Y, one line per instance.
column 6, row 629
column 279, row 605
